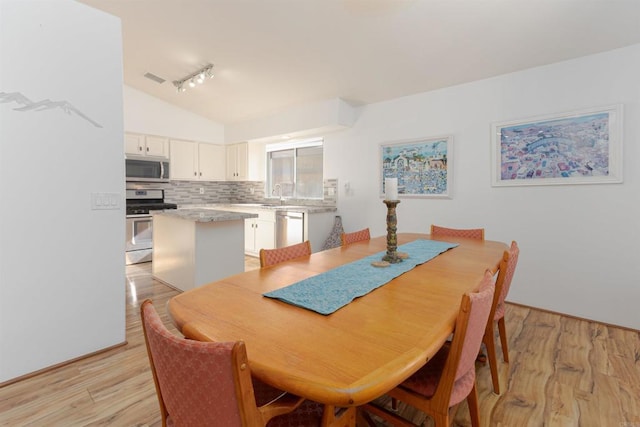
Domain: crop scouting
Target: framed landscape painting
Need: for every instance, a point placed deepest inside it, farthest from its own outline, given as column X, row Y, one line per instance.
column 581, row 147
column 422, row 166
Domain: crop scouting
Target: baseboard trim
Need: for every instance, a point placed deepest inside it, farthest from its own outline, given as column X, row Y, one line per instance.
column 609, row 325
column 59, row 365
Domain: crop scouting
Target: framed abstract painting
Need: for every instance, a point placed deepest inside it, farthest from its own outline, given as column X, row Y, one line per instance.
column 580, row 147
column 421, row 166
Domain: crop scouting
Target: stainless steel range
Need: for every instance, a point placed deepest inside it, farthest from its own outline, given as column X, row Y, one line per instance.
column 139, row 238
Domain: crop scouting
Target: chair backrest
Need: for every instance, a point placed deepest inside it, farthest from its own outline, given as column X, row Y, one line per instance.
column 275, row 256
column 356, row 236
column 198, row 383
column 467, row 338
column 505, row 275
column 469, row 233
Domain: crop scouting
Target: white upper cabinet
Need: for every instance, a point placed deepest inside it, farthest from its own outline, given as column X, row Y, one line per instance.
column 182, row 165
column 211, row 161
column 237, row 161
column 146, row 145
column 197, row 161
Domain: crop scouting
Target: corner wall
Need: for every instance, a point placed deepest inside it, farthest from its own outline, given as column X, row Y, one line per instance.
column 149, row 115
column 62, row 292
column 579, row 243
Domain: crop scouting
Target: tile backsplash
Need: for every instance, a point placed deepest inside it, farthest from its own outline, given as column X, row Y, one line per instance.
column 203, row 192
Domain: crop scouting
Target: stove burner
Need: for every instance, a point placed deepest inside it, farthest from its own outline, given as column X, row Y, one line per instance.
column 144, row 208
column 141, row 202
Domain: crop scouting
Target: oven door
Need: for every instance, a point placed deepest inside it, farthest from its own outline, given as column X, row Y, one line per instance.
column 139, row 238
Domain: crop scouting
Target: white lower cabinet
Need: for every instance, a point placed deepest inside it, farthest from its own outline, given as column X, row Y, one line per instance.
column 259, row 233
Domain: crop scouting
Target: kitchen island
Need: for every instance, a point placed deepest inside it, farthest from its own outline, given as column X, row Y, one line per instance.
column 196, row 246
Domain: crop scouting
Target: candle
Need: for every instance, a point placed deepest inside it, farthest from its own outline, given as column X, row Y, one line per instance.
column 391, row 188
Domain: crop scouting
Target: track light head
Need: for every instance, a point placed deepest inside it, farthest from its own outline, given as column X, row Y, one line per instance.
column 198, row 77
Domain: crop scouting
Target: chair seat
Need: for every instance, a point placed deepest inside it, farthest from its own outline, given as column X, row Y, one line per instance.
column 309, row 414
column 425, row 381
column 264, row 393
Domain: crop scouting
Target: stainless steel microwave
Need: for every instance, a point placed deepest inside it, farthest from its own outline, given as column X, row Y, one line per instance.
column 146, row 169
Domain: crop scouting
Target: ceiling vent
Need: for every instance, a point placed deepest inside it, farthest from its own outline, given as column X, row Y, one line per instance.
column 155, row 78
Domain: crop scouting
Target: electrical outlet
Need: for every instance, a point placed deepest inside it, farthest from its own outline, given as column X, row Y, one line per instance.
column 201, row 190
column 331, row 191
column 252, row 190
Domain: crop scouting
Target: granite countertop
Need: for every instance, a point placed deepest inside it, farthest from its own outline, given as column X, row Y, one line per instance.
column 236, row 207
column 200, row 214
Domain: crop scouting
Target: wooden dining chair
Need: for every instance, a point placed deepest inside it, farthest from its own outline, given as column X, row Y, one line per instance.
column 450, row 376
column 356, row 236
column 469, row 233
column 200, row 384
column 275, row 256
column 503, row 283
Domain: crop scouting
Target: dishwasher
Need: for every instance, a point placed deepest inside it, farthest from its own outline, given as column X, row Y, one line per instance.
column 289, row 228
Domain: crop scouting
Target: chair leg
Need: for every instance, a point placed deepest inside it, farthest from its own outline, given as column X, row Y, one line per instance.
column 338, row 417
column 441, row 420
column 490, row 343
column 474, row 410
column 388, row 416
column 364, row 417
column 503, row 339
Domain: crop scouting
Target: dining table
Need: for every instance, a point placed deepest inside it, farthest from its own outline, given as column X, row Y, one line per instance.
column 360, row 351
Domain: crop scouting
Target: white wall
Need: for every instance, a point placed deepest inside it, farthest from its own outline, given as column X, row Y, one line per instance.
column 149, row 115
column 61, row 263
column 297, row 122
column 579, row 244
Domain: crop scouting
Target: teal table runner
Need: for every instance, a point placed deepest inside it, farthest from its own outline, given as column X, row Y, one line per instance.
column 333, row 289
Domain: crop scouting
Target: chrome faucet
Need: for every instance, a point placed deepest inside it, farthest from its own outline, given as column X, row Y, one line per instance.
column 278, row 188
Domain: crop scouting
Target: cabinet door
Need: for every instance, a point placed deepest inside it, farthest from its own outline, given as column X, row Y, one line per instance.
column 211, row 162
column 249, row 236
column 183, row 161
column 231, row 162
column 133, row 144
column 265, row 234
column 242, row 153
column 237, row 161
column 156, row 146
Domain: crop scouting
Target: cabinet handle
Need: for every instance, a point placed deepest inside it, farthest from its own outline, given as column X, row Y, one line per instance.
column 195, row 173
column 139, row 148
column 200, row 173
column 147, row 149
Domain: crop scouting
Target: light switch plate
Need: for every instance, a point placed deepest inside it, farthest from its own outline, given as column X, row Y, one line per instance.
column 105, row 201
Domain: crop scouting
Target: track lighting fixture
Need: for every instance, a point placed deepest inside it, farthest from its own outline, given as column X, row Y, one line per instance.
column 195, row 78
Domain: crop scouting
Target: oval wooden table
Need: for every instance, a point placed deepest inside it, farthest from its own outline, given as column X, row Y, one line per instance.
column 360, row 351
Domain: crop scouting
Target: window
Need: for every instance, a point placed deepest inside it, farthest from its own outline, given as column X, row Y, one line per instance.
column 294, row 170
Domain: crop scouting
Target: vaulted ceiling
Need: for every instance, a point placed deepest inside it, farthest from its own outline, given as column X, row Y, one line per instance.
column 271, row 55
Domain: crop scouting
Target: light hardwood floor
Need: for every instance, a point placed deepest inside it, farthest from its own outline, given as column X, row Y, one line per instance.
column 563, row 372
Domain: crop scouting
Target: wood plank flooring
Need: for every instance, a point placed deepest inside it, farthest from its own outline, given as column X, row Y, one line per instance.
column 563, row 372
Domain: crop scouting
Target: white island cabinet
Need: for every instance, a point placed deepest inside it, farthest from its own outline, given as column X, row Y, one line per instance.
column 193, row 247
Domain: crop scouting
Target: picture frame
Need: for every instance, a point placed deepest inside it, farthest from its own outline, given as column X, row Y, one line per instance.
column 423, row 166
column 578, row 147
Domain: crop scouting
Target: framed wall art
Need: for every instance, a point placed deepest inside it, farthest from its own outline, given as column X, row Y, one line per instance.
column 422, row 166
column 580, row 147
